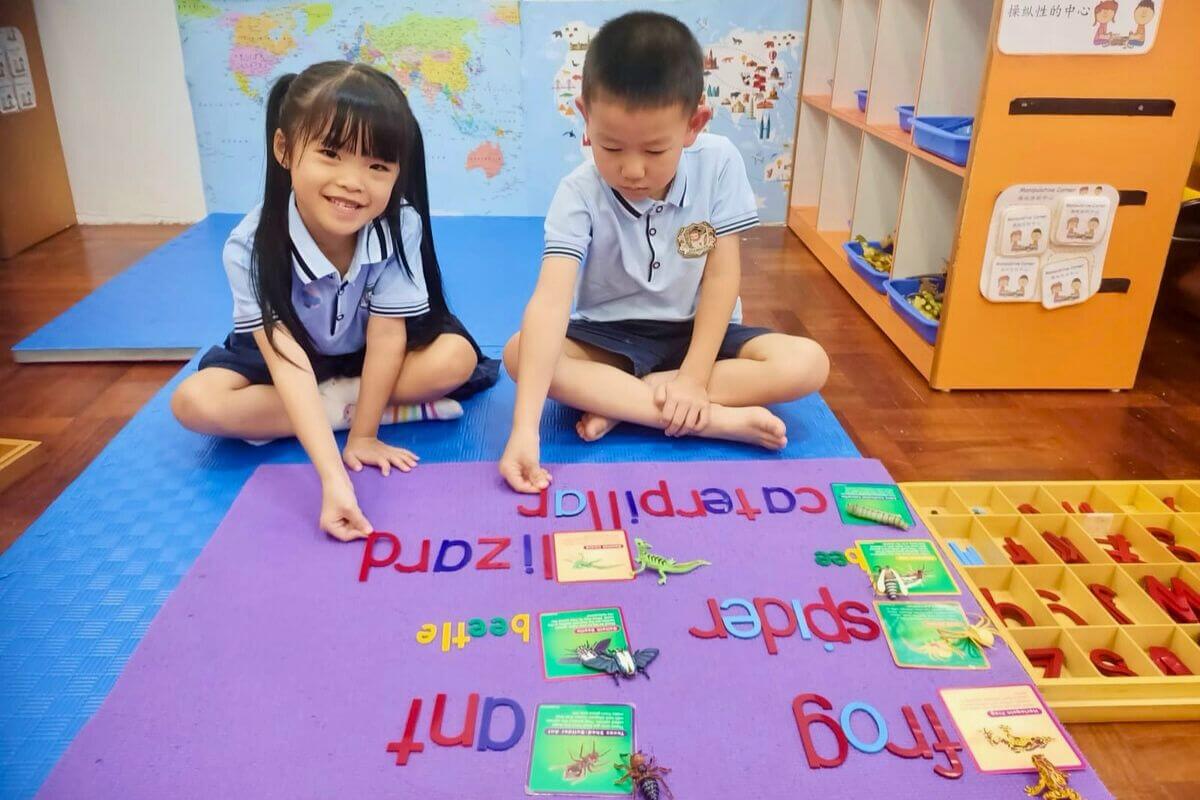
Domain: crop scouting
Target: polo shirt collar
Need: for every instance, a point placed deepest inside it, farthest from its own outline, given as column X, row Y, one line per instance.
column 310, row 264
column 677, row 194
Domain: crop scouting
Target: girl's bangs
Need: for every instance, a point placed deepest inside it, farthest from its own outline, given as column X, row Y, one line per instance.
column 354, row 116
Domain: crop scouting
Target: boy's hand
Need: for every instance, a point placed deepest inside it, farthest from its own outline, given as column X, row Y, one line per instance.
column 684, row 404
column 369, row 451
column 341, row 517
column 520, row 464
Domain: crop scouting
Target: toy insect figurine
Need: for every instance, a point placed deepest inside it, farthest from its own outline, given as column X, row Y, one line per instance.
column 660, row 564
column 891, row 583
column 1014, row 742
column 877, row 515
column 1052, row 784
column 982, row 633
column 619, row 663
column 645, row 775
column 582, row 765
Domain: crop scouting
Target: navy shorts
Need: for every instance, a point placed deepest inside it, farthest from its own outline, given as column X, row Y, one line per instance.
column 653, row 345
column 240, row 354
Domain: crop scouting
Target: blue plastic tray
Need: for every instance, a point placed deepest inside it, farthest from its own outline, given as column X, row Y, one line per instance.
column 948, row 137
column 898, row 291
column 860, row 265
column 906, row 117
column 861, row 94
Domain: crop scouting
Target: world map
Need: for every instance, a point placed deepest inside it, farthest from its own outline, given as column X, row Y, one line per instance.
column 492, row 82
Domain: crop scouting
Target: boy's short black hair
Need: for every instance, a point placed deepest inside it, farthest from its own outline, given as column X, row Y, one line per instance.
column 645, row 60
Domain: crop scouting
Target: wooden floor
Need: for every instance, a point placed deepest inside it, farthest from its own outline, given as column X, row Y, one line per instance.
column 888, row 409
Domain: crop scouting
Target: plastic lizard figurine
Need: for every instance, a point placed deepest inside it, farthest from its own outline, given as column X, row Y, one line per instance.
column 663, row 566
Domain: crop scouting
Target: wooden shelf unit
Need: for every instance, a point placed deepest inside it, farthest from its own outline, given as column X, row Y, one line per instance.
column 856, row 172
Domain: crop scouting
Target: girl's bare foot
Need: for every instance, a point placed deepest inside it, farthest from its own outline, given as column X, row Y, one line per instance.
column 592, row 427
column 752, row 425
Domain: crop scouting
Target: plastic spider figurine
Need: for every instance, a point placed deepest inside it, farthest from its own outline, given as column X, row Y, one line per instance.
column 645, row 775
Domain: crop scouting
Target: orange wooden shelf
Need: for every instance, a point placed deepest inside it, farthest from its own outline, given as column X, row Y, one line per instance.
column 16, row 460
column 827, row 247
column 887, row 133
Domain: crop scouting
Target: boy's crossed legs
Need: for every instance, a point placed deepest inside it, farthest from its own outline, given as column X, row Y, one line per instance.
column 769, row 368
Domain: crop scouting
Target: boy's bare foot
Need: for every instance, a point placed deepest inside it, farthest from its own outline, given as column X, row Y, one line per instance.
column 752, row 425
column 592, row 427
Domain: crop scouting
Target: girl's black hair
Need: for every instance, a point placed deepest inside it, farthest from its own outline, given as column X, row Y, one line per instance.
column 352, row 107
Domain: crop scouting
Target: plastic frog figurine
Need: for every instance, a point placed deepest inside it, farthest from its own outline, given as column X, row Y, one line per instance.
column 927, row 300
column 1052, row 784
column 880, row 258
column 647, row 560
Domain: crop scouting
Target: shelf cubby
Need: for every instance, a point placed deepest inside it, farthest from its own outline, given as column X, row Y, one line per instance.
column 839, row 177
column 856, row 46
column 928, row 211
column 820, row 47
column 880, row 182
column 896, row 72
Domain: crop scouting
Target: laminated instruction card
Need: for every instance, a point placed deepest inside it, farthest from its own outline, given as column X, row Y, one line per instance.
column 565, row 633
column 592, row 556
column 576, row 749
column 930, row 636
column 1005, row 726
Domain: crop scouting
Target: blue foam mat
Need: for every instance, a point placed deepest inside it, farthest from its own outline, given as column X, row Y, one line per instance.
column 176, row 300
column 80, row 587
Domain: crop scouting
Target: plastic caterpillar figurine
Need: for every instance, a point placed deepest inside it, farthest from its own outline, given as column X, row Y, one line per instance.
column 876, row 515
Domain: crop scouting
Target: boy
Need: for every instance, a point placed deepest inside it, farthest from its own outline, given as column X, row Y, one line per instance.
column 649, row 230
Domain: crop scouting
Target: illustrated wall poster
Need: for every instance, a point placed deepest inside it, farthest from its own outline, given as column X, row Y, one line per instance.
column 1098, row 27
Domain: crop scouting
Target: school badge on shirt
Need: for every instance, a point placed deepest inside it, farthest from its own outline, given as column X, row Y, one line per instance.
column 695, row 240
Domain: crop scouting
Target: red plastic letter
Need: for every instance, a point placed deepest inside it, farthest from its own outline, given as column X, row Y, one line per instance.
column 820, row 502
column 1050, row 659
column 407, row 745
column 1017, row 552
column 1007, row 610
column 1111, row 663
column 1059, row 608
column 769, row 632
column 718, row 631
column 1064, row 548
column 944, row 745
column 804, row 721
column 537, row 511
column 920, row 748
column 488, row 561
column 1176, row 601
column 1167, row 662
column 464, row 739
column 369, row 560
column 1108, row 598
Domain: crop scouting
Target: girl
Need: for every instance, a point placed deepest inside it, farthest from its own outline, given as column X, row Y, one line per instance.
column 334, row 277
column 1104, row 13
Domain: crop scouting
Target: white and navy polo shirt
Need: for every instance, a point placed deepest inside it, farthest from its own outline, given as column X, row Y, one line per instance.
column 334, row 310
column 632, row 268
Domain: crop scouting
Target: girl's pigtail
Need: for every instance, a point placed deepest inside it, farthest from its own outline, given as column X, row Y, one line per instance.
column 271, row 265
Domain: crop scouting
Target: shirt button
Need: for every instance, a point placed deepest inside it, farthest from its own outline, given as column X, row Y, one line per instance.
column 340, row 316
column 657, row 264
column 659, row 209
column 342, row 289
column 653, row 231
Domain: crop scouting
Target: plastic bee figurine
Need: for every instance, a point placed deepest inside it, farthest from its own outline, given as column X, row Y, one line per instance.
column 645, row 774
column 619, row 663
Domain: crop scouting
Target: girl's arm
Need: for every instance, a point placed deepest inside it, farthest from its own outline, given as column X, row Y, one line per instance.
column 543, row 331
column 387, row 343
column 293, row 377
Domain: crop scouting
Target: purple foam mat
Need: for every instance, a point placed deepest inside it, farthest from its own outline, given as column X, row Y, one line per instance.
column 273, row 672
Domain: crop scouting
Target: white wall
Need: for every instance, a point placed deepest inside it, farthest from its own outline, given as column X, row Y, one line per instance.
column 116, row 75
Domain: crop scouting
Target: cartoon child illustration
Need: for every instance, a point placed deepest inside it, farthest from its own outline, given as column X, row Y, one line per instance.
column 1056, row 292
column 1014, row 242
column 1142, row 16
column 1083, row 190
column 1093, row 226
column 1104, row 13
column 1076, row 289
column 1002, row 286
column 1072, row 226
column 1022, row 285
column 1036, row 236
